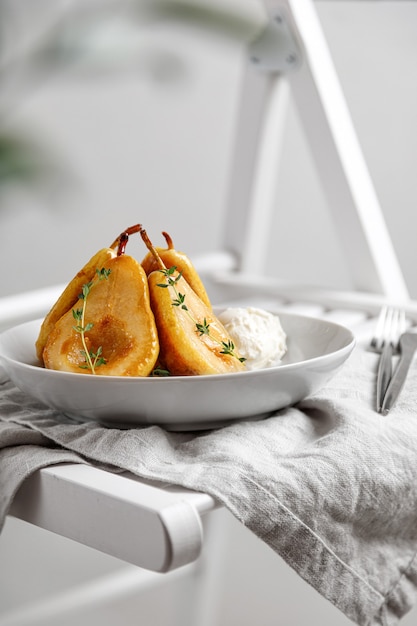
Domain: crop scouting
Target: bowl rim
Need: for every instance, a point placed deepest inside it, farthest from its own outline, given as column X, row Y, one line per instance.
column 349, row 343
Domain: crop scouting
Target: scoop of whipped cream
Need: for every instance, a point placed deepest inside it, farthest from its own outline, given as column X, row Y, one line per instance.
column 257, row 334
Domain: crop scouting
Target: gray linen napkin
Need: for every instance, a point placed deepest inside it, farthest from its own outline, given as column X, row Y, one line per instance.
column 329, row 484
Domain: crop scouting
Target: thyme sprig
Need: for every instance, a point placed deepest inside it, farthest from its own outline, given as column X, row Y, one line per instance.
column 228, row 347
column 92, row 359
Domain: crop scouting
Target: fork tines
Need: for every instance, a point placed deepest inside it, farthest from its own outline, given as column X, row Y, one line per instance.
column 390, row 325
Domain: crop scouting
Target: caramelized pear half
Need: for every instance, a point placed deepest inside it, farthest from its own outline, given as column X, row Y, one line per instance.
column 184, row 350
column 192, row 340
column 120, row 322
column 69, row 296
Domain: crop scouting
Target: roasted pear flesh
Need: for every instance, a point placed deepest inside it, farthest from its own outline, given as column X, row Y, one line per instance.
column 192, row 340
column 171, row 257
column 69, row 296
column 120, row 336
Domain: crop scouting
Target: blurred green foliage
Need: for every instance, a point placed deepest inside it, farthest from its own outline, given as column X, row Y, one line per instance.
column 19, row 161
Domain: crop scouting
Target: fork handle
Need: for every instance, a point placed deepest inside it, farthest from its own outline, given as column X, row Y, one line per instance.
column 384, row 374
column 398, row 380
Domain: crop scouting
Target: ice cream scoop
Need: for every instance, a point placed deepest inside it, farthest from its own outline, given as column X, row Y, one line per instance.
column 257, row 334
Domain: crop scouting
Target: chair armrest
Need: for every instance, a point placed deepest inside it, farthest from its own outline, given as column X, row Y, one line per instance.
column 151, row 526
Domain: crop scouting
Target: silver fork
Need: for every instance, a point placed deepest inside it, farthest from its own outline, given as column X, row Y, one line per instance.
column 407, row 348
column 391, row 324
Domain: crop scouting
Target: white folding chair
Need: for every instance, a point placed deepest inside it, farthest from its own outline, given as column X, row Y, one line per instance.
column 163, row 525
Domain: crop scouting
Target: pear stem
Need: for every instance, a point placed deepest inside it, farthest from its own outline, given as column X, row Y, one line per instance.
column 123, row 239
column 152, row 249
column 129, row 231
column 169, row 241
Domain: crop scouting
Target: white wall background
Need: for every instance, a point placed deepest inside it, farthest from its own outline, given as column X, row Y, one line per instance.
column 152, row 142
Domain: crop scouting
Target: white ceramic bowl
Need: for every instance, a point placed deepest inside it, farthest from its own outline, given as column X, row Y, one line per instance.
column 316, row 350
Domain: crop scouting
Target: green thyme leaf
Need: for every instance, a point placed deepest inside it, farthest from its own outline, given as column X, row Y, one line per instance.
column 203, row 329
column 159, row 371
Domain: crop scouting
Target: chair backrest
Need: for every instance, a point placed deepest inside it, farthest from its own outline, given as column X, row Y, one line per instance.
column 291, row 56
